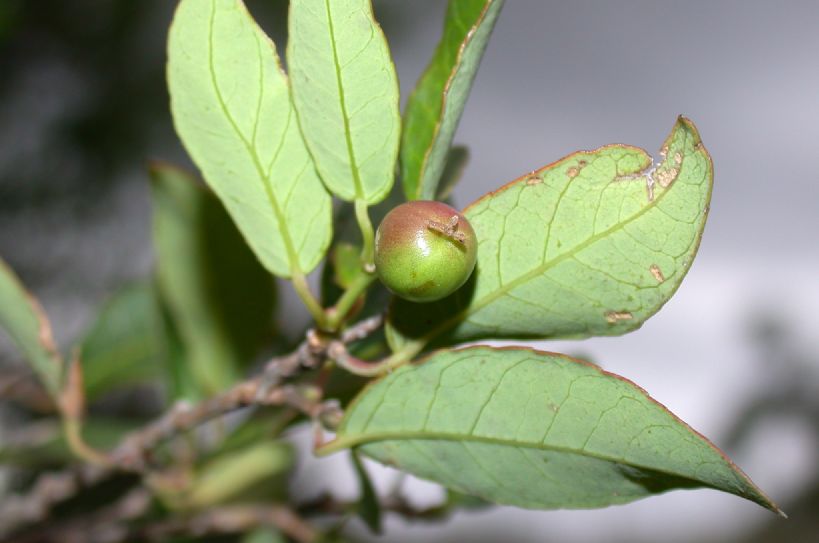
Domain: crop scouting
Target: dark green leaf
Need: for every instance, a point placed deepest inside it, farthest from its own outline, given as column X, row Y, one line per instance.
column 434, row 108
column 218, row 297
column 124, row 346
column 368, row 507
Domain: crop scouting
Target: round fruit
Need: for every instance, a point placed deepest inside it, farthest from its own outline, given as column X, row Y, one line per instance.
column 424, row 250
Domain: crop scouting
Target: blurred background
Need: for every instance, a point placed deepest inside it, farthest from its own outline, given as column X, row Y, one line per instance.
column 83, row 108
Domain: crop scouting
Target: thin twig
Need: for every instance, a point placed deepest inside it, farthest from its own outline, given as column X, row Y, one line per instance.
column 134, row 452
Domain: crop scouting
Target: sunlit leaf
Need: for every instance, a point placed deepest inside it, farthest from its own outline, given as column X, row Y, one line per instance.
column 532, row 429
column 434, row 108
column 231, row 107
column 591, row 245
column 346, row 93
column 26, row 323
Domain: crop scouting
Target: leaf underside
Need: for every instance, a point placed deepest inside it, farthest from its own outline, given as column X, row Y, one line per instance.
column 435, row 106
column 232, row 109
column 345, row 90
column 591, row 245
column 532, row 429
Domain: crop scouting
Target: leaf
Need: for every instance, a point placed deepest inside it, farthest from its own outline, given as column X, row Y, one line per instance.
column 263, row 535
column 231, row 107
column 346, row 259
column 532, row 429
column 455, row 165
column 435, row 106
column 217, row 295
column 124, row 345
column 369, row 509
column 41, row 443
column 345, row 90
column 591, row 245
column 23, row 318
column 233, row 475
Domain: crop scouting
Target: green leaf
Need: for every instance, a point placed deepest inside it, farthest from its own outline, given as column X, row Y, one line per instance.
column 41, row 443
column 346, row 94
column 346, row 260
column 435, row 106
column 124, row 345
column 369, row 509
column 263, row 535
column 27, row 324
column 217, row 295
column 533, row 429
column 233, row 475
column 232, row 109
column 591, row 245
column 455, row 165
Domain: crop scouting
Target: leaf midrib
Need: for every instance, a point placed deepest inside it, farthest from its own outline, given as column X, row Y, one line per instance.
column 540, row 269
column 366, row 439
column 295, row 265
column 359, row 191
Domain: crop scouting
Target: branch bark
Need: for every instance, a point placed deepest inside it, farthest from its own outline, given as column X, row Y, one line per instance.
column 133, row 454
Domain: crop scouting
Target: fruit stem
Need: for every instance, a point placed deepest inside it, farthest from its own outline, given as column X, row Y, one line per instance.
column 367, row 235
column 338, row 353
column 338, row 313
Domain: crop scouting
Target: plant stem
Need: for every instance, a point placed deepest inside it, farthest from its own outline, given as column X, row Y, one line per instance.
column 72, row 429
column 313, row 306
column 367, row 236
column 338, row 312
column 337, row 352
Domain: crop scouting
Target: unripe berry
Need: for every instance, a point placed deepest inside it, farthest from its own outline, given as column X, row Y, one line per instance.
column 424, row 250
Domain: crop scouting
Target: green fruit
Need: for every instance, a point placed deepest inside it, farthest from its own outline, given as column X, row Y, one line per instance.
column 424, row 250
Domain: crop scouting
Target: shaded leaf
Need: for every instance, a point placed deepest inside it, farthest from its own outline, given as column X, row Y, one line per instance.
column 26, row 323
column 124, row 345
column 231, row 107
column 368, row 507
column 218, row 297
column 435, row 106
column 591, row 245
column 264, row 535
column 456, row 162
column 345, row 90
column 232, row 475
column 532, row 429
column 42, row 443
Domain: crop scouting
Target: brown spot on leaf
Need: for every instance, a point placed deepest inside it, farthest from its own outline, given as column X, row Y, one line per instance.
column 574, row 171
column 657, row 273
column 533, row 180
column 613, row 317
column 678, row 158
column 666, row 177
